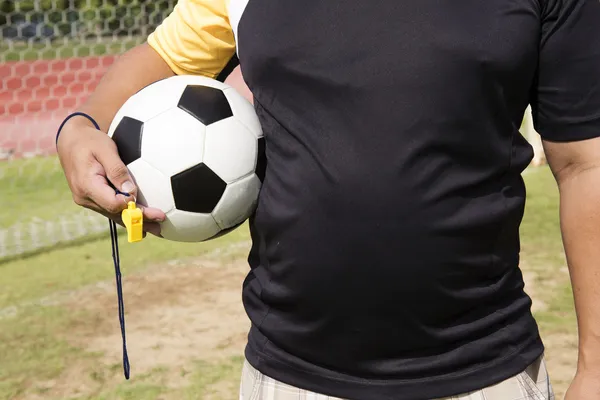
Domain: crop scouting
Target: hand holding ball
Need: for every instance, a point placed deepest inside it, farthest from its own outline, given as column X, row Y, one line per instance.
column 194, row 147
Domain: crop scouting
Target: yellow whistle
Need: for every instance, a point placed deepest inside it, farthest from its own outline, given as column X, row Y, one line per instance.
column 134, row 222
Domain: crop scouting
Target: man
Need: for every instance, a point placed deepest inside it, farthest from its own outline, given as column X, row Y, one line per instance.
column 385, row 247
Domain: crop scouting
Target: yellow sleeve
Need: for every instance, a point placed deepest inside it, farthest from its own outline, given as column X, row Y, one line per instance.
column 196, row 38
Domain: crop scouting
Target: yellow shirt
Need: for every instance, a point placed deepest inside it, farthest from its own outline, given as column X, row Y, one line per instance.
column 197, row 38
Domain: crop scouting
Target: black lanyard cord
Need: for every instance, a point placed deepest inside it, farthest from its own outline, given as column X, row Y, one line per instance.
column 116, row 259
column 115, row 248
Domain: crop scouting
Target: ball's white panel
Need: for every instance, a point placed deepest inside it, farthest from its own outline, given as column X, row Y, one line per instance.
column 150, row 101
column 238, row 202
column 230, row 149
column 173, row 141
column 154, row 188
column 183, row 226
column 244, row 112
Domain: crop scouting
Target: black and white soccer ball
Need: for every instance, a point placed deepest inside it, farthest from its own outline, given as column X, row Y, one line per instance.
column 195, row 149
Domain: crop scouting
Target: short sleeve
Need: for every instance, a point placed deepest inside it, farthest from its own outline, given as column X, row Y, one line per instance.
column 196, row 38
column 566, row 96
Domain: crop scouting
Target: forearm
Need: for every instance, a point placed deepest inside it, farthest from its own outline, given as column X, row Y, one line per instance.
column 131, row 72
column 580, row 224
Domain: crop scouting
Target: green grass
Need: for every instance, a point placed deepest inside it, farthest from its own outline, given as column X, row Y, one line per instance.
column 37, row 189
column 34, row 353
column 540, row 229
column 33, row 188
column 34, row 342
column 31, row 349
column 206, row 375
column 542, row 250
column 72, row 267
column 59, row 49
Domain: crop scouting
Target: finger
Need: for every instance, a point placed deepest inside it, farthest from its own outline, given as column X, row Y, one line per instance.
column 116, row 171
column 153, row 228
column 152, row 214
column 149, row 227
column 104, row 197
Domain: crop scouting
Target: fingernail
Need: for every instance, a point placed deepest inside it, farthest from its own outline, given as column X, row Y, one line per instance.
column 127, row 187
column 159, row 219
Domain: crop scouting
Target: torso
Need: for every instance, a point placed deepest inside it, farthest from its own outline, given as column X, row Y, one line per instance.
column 386, row 241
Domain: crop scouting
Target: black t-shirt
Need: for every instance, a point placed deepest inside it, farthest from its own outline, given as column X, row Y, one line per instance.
column 386, row 239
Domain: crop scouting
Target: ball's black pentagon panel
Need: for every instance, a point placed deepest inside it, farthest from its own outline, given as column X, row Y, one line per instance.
column 261, row 162
column 197, row 189
column 205, row 103
column 128, row 137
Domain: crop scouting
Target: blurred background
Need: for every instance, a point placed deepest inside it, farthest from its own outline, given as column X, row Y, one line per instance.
column 59, row 329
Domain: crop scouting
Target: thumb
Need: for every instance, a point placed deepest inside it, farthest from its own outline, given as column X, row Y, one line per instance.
column 116, row 171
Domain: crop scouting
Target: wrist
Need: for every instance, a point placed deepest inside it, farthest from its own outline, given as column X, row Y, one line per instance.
column 72, row 124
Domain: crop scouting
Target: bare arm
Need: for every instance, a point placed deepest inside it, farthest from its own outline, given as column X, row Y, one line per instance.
column 134, row 70
column 576, row 167
column 90, row 159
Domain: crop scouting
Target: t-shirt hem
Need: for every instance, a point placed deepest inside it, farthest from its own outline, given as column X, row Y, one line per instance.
column 422, row 389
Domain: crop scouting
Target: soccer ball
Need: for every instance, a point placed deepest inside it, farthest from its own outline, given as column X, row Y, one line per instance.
column 195, row 148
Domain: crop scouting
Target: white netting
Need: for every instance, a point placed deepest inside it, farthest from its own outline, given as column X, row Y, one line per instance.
column 52, row 55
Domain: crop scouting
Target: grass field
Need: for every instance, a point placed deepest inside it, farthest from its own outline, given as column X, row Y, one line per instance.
column 59, row 332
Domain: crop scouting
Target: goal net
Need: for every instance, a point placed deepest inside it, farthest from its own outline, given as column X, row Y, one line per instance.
column 52, row 55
